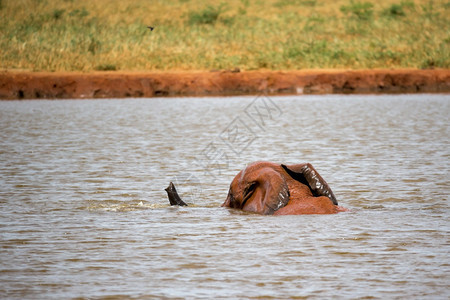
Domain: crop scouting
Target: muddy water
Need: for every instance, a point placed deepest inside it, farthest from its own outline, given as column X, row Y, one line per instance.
column 84, row 212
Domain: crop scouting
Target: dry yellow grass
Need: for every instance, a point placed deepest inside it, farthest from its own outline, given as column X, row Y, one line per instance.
column 68, row 35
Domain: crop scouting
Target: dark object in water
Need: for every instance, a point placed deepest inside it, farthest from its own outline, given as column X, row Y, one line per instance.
column 174, row 199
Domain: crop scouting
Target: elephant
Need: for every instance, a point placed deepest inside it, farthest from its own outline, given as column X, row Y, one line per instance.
column 269, row 188
column 172, row 193
column 276, row 189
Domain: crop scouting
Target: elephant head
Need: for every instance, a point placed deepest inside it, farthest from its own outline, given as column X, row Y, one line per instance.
column 268, row 188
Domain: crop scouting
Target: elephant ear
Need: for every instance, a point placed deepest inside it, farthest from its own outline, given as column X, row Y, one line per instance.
column 306, row 174
column 275, row 190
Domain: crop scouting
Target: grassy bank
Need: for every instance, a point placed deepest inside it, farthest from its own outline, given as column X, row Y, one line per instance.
column 69, row 35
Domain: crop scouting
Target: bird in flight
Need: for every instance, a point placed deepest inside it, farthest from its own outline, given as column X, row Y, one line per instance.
column 151, row 28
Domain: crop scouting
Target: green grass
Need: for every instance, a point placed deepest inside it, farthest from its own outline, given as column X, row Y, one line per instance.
column 209, row 15
column 359, row 10
column 81, row 35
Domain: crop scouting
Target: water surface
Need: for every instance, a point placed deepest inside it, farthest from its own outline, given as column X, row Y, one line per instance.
column 84, row 212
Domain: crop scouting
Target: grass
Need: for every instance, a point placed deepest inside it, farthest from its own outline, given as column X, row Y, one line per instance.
column 82, row 35
column 209, row 15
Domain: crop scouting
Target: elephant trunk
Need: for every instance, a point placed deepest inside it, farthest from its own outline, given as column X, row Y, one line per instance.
column 174, row 199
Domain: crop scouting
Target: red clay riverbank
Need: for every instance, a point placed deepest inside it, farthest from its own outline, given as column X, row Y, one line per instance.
column 118, row 84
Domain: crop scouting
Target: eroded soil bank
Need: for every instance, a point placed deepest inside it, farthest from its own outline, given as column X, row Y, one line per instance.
column 38, row 85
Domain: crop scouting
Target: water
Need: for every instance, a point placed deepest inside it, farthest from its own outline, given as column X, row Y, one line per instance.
column 84, row 213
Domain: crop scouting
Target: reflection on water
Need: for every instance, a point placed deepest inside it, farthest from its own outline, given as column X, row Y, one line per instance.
column 85, row 214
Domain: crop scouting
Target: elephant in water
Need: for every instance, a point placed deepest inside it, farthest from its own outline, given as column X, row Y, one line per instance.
column 276, row 189
column 273, row 189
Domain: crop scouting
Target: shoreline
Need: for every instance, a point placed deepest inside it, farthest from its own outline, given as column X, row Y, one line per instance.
column 123, row 84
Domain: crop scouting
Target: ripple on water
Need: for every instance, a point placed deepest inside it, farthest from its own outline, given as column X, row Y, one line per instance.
column 120, row 206
column 85, row 214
